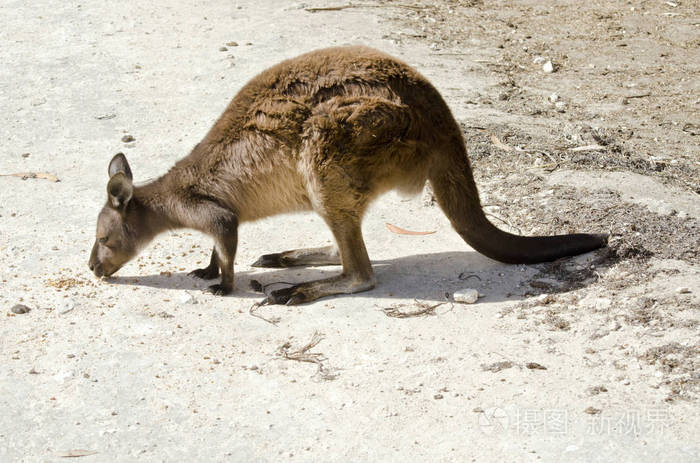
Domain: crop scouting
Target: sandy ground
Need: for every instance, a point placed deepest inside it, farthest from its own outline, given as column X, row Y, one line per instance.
column 591, row 359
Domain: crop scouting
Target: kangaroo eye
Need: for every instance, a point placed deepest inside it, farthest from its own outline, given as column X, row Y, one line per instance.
column 102, row 240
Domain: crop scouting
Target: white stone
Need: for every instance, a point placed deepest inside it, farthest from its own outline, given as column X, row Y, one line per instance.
column 548, row 67
column 602, row 303
column 553, row 98
column 186, row 298
column 466, row 296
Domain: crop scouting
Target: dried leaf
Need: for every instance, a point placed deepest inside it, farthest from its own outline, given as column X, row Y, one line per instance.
column 76, row 453
column 499, row 144
column 26, row 175
column 401, row 231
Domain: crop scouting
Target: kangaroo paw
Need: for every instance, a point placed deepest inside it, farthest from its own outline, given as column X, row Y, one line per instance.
column 288, row 296
column 219, row 289
column 270, row 261
column 207, row 273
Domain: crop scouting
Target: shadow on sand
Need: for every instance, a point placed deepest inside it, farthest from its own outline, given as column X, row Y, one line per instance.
column 423, row 276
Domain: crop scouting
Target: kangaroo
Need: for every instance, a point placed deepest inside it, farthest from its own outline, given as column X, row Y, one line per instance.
column 326, row 131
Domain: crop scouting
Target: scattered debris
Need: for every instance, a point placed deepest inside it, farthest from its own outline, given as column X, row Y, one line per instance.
column 595, row 390
column 466, row 295
column 303, row 355
column 425, row 309
column 499, row 144
column 626, row 100
column 40, row 175
column 402, row 231
column 20, row 309
column 329, row 8
column 692, row 129
column 497, row 366
column 165, row 314
column 437, row 396
column 253, row 311
column 465, row 276
column 104, row 117
column 76, row 453
column 128, row 138
column 592, row 411
column 587, row 148
column 535, row 366
column 231, row 44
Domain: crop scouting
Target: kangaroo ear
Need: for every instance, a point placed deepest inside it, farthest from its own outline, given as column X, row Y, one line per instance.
column 119, row 190
column 120, row 164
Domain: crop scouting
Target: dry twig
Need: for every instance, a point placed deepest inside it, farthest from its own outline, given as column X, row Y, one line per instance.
column 272, row 321
column 303, row 355
column 425, row 309
column 26, row 175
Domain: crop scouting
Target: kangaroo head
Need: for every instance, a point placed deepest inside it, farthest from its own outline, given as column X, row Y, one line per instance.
column 118, row 238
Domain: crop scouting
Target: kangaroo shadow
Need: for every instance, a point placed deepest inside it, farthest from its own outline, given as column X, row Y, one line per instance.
column 432, row 277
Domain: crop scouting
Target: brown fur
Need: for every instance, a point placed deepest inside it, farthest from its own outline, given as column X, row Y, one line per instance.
column 327, row 131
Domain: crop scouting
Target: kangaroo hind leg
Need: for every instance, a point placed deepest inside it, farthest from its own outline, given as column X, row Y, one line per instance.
column 357, row 274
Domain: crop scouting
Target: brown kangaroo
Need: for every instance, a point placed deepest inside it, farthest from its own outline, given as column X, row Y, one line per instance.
column 327, row 131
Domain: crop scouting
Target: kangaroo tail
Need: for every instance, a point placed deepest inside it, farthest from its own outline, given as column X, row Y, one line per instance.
column 456, row 192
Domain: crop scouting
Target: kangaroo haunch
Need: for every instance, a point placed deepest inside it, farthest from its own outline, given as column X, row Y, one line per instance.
column 327, row 131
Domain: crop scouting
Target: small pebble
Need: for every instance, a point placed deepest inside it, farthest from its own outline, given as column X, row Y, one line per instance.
column 560, row 106
column 232, row 44
column 683, row 290
column 592, row 411
column 548, row 67
column 553, row 98
column 26, row 155
column 20, row 309
column 466, row 296
column 535, row 366
column 186, row 298
column 223, row 49
column 128, row 139
column 437, row 396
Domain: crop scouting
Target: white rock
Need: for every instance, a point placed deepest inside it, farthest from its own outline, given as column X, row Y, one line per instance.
column 602, row 303
column 560, row 106
column 548, row 67
column 683, row 290
column 553, row 98
column 466, row 296
column 186, row 298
